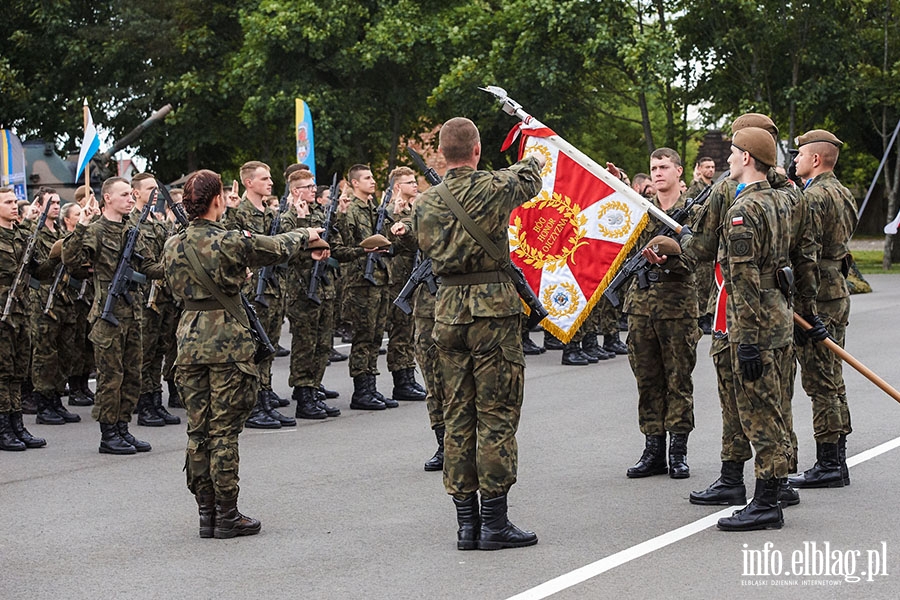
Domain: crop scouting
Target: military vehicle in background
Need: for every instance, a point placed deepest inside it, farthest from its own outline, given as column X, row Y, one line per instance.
column 44, row 167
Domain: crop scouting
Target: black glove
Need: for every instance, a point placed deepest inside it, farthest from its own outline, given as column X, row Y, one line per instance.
column 818, row 331
column 751, row 361
column 685, row 231
column 800, row 337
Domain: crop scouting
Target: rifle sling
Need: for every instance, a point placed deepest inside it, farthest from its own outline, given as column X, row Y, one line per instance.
column 231, row 304
column 472, row 227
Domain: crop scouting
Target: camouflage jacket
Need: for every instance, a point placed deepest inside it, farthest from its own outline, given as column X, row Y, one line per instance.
column 45, row 271
column 403, row 252
column 155, row 234
column 835, row 210
column 99, row 245
column 489, row 197
column 357, row 224
column 214, row 336
column 12, row 248
column 672, row 293
column 756, row 237
column 301, row 265
column 695, row 189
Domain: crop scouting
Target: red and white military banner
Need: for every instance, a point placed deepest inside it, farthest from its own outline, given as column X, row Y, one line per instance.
column 571, row 238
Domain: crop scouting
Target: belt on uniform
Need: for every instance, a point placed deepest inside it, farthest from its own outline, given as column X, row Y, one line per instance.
column 209, row 304
column 831, row 262
column 766, row 282
column 475, row 278
column 656, row 276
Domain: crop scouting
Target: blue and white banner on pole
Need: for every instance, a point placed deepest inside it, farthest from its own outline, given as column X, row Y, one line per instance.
column 306, row 148
column 12, row 164
column 90, row 145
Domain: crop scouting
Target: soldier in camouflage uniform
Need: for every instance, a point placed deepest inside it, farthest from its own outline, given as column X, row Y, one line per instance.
column 15, row 346
column 662, row 341
column 821, row 370
column 215, row 370
column 367, row 302
column 83, row 364
column 117, row 348
column 401, row 356
column 477, row 334
column 704, row 171
column 159, row 313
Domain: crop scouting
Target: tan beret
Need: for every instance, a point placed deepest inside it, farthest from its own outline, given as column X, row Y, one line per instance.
column 317, row 244
column 56, row 249
column 817, row 135
column 758, row 142
column 664, row 245
column 754, row 120
column 375, row 241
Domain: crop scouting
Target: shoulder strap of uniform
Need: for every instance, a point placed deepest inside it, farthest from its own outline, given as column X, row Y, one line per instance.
column 229, row 303
column 470, row 225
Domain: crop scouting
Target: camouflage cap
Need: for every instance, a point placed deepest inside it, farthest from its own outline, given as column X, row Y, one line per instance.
column 317, row 244
column 375, row 241
column 817, row 135
column 754, row 120
column 758, row 142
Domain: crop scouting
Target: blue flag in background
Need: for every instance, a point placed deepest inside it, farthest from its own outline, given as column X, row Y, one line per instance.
column 303, row 132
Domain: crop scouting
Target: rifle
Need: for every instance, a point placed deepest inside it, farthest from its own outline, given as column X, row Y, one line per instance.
column 318, row 272
column 373, row 258
column 264, row 347
column 22, row 278
column 57, row 278
column 637, row 265
column 266, row 274
column 125, row 275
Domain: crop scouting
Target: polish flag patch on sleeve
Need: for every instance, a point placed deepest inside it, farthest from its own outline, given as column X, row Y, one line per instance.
column 246, row 233
column 737, row 221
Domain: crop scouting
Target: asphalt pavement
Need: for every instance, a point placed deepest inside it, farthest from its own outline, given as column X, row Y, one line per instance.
column 347, row 511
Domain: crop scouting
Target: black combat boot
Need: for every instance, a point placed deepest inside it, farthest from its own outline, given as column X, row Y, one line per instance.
column 728, row 489
column 787, row 496
column 8, row 439
column 404, row 386
column 281, row 351
column 336, row 356
column 139, row 445
column 167, row 417
column 206, row 506
column 147, row 415
column 229, row 522
column 306, row 404
column 551, row 342
column 529, row 347
column 45, row 413
column 436, row 462
column 331, row 411
column 826, row 473
column 57, row 406
column 678, row 467
column 388, row 402
column 591, row 347
column 77, row 397
column 259, row 419
column 269, row 403
column 87, row 388
column 496, row 530
column 842, row 457
column 612, row 343
column 111, row 442
column 469, row 523
column 653, row 460
column 763, row 512
column 29, row 402
column 705, row 324
column 573, row 356
column 329, row 394
column 277, row 401
column 174, row 394
column 363, row 394
column 18, row 427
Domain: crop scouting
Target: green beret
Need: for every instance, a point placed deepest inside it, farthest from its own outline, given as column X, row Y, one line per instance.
column 758, row 142
column 754, row 120
column 817, row 135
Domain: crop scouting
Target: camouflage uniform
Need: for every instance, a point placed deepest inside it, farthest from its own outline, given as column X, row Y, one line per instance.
column 756, row 238
column 426, row 353
column 366, row 305
column 821, row 370
column 401, row 327
column 117, row 349
column 15, row 342
column 662, row 343
column 477, row 331
column 215, row 370
column 703, row 273
column 160, row 319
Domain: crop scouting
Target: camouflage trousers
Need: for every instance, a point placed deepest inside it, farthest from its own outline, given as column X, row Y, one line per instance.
column 312, row 326
column 760, row 407
column 53, row 344
column 117, row 352
column 271, row 318
column 822, row 377
column 366, row 308
column 482, row 378
column 83, row 350
column 703, row 278
column 607, row 319
column 426, row 355
column 663, row 353
column 15, row 351
column 401, row 332
column 218, row 399
column 735, row 445
column 158, row 334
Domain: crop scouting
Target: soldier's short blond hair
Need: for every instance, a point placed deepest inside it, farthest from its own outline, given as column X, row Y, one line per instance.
column 250, row 167
column 401, row 172
column 300, row 175
column 828, row 153
column 458, row 138
column 137, row 179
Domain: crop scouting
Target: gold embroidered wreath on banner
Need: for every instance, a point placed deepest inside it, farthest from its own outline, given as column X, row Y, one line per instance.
column 545, row 152
column 620, row 230
column 570, row 213
column 566, row 306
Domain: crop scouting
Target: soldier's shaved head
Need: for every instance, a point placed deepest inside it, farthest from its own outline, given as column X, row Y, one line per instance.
column 458, row 138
